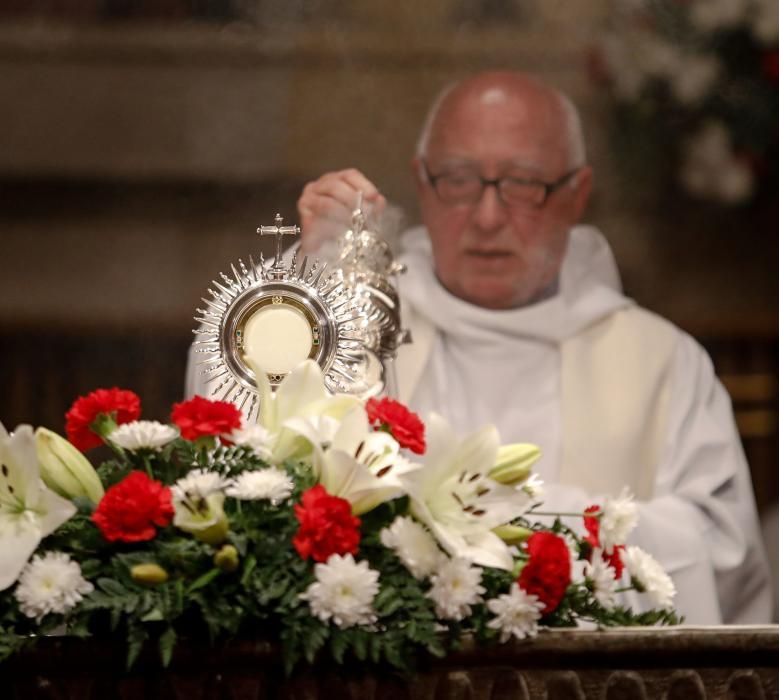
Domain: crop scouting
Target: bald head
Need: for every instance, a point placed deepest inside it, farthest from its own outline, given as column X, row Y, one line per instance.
column 550, row 114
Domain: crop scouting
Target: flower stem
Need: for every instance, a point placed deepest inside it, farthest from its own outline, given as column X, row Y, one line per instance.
column 147, row 466
column 561, row 514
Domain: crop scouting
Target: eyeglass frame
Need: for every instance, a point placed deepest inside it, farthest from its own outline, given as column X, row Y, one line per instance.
column 549, row 187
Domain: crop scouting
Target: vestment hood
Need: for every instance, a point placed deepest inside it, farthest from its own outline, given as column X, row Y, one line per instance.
column 589, row 289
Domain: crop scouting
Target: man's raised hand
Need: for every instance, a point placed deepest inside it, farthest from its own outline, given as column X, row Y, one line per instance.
column 326, row 206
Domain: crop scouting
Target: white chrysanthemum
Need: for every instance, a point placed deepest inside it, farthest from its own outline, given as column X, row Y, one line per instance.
column 646, row 571
column 577, row 564
column 344, row 591
column 256, row 437
column 620, row 516
column 199, row 484
column 271, row 484
column 414, row 545
column 516, row 613
column 143, row 435
column 456, row 587
column 601, row 576
column 51, row 583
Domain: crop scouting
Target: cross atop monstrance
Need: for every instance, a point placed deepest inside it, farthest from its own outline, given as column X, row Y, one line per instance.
column 279, row 231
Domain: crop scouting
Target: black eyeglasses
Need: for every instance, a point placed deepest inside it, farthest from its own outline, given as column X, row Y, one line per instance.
column 466, row 187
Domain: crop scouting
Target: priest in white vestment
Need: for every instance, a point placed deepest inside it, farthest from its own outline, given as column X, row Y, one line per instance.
column 518, row 319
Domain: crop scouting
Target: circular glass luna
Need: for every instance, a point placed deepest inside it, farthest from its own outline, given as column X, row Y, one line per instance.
column 277, row 338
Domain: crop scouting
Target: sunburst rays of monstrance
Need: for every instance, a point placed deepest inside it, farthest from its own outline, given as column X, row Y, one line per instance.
column 345, row 316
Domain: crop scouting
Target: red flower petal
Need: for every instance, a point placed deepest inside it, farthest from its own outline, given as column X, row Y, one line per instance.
column 548, row 571
column 123, row 405
column 592, row 525
column 199, row 417
column 130, row 509
column 614, row 560
column 327, row 526
column 404, row 425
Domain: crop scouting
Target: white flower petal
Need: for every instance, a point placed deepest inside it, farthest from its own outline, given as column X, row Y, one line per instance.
column 620, row 516
column 269, row 484
column 601, row 577
column 18, row 540
column 51, row 583
column 143, row 435
column 456, row 587
column 516, row 614
column 643, row 567
column 343, row 592
column 414, row 546
column 454, row 497
column 28, row 509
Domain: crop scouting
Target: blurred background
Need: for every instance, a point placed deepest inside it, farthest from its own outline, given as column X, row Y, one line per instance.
column 143, row 141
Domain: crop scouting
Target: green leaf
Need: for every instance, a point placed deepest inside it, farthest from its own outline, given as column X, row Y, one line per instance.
column 112, row 587
column 387, row 594
column 204, row 580
column 360, row 645
column 338, row 644
column 116, row 616
column 392, row 654
column 136, row 638
column 154, row 615
column 167, row 643
column 248, row 567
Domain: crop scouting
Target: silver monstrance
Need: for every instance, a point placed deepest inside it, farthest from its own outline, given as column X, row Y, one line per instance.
column 346, row 318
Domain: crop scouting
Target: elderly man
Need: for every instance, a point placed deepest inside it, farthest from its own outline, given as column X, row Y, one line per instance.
column 518, row 320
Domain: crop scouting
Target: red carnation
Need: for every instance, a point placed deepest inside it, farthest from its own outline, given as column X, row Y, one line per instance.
column 130, row 509
column 592, row 525
column 548, row 571
column 122, row 405
column 614, row 560
column 200, row 417
column 327, row 526
column 404, row 425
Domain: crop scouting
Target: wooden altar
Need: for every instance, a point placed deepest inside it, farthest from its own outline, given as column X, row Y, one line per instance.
column 676, row 663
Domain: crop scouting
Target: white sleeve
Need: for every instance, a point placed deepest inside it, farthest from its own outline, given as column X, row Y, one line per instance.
column 701, row 523
column 705, row 473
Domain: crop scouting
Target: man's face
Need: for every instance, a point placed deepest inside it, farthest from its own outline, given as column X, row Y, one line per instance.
column 489, row 253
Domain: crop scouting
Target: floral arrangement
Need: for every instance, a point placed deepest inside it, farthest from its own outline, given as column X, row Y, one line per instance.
column 331, row 525
column 697, row 85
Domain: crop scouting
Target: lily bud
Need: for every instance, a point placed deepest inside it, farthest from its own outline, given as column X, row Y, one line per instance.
column 512, row 534
column 64, row 469
column 513, row 463
column 227, row 558
column 150, row 573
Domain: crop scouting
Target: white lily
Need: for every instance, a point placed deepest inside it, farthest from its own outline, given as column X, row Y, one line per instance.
column 29, row 511
column 302, row 394
column 353, row 461
column 453, row 495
